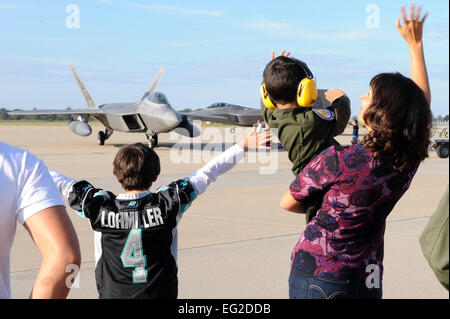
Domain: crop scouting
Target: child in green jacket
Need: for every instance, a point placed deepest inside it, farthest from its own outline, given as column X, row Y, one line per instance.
column 289, row 105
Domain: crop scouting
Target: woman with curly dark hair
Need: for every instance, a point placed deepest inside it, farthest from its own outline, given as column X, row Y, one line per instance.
column 340, row 253
column 396, row 119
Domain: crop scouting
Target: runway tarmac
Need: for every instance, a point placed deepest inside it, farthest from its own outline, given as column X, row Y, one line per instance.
column 235, row 241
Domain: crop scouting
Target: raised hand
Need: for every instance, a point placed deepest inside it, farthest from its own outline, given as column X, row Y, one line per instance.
column 412, row 29
column 334, row 94
column 283, row 53
column 254, row 141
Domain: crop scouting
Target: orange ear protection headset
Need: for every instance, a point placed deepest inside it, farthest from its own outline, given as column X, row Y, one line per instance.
column 306, row 92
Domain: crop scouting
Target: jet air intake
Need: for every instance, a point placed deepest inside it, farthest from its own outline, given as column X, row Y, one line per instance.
column 80, row 128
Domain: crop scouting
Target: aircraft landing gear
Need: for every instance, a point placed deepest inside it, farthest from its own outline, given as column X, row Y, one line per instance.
column 152, row 140
column 103, row 136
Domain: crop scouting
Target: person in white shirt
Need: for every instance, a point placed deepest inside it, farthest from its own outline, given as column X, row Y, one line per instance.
column 29, row 196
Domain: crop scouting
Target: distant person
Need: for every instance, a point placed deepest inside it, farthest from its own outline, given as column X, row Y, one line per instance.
column 139, row 228
column 287, row 94
column 29, row 196
column 340, row 253
column 435, row 241
column 355, row 134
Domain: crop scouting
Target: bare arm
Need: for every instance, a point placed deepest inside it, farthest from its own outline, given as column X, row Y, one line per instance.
column 290, row 204
column 412, row 31
column 54, row 235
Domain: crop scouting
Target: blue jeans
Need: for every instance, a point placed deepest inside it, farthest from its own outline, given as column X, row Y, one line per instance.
column 304, row 286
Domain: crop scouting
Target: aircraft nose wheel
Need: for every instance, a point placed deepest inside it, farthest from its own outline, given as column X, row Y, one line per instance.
column 101, row 138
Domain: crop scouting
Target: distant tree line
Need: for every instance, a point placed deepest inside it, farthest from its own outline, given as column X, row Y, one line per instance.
column 4, row 115
column 440, row 118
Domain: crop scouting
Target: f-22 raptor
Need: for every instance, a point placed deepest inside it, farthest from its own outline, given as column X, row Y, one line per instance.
column 151, row 115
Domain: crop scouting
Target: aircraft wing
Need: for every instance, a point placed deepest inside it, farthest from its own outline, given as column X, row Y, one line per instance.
column 241, row 117
column 57, row 112
column 205, row 117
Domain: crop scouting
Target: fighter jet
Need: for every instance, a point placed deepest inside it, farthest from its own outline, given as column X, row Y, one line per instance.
column 231, row 113
column 246, row 116
column 151, row 115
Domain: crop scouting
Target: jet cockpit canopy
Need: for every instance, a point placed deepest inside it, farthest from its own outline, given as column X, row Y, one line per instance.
column 158, row 97
column 218, row 104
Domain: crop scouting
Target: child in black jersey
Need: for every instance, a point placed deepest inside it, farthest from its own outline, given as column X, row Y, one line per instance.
column 139, row 228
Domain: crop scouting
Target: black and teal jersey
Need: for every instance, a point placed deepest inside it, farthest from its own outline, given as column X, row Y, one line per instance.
column 139, row 239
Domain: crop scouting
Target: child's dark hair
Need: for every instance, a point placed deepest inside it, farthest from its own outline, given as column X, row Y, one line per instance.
column 282, row 76
column 136, row 167
column 400, row 118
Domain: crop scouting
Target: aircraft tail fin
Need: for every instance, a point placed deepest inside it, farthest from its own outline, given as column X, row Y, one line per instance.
column 87, row 97
column 153, row 85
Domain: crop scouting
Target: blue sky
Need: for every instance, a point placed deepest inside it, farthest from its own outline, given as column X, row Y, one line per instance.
column 211, row 50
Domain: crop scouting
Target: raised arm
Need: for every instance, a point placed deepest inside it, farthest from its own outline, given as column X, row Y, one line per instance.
column 412, row 31
column 221, row 164
column 340, row 103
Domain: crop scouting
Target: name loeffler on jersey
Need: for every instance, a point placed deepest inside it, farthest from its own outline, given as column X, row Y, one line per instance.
column 134, row 219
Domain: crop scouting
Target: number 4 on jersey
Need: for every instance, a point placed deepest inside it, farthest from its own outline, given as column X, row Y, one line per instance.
column 133, row 256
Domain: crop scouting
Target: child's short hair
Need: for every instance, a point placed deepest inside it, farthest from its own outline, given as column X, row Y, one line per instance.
column 136, row 166
column 282, row 76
